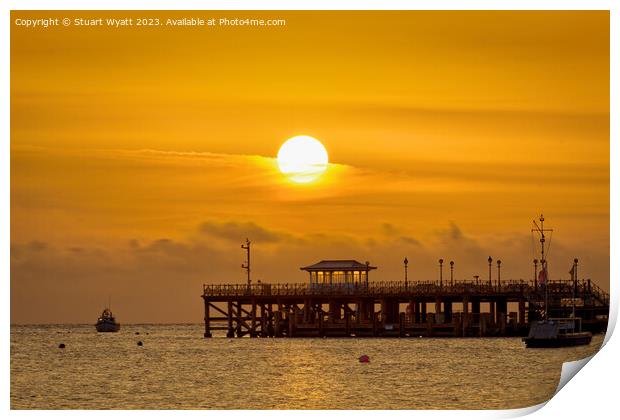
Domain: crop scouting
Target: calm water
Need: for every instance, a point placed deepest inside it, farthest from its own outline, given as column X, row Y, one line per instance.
column 177, row 368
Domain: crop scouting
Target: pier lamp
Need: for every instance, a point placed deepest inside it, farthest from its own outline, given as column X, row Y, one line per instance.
column 575, row 261
column 499, row 279
column 490, row 260
column 406, row 261
column 476, row 277
column 451, row 273
column 441, row 272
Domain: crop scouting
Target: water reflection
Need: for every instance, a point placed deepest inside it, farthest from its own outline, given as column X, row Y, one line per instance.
column 177, row 368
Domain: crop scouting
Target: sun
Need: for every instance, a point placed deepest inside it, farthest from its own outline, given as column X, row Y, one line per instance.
column 303, row 159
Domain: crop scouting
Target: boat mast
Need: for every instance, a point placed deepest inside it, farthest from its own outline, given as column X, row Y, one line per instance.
column 543, row 262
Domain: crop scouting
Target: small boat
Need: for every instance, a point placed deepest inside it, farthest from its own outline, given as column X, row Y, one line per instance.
column 557, row 332
column 106, row 322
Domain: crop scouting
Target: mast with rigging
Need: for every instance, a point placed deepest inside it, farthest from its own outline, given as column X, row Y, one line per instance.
column 544, row 274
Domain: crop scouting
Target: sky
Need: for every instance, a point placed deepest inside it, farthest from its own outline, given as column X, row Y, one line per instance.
column 141, row 158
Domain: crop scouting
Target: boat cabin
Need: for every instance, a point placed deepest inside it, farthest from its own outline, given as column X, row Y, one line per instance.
column 330, row 273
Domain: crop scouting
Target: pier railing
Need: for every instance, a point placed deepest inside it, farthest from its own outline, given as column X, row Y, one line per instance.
column 457, row 287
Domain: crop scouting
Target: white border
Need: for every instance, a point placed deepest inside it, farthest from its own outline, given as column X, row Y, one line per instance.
column 592, row 394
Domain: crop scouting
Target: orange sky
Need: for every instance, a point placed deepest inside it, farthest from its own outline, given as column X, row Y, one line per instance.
column 141, row 158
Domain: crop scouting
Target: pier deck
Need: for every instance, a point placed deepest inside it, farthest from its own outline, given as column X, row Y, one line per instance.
column 393, row 309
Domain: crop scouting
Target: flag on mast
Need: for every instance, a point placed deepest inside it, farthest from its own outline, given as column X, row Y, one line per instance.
column 572, row 272
column 542, row 276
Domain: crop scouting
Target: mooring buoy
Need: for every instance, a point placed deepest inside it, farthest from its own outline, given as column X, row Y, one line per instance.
column 364, row 359
column 139, row 343
column 61, row 346
column 137, row 333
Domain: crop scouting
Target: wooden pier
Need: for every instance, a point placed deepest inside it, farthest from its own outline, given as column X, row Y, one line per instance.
column 397, row 309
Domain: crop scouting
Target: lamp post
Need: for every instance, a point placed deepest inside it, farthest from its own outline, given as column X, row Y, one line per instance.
column 476, row 277
column 451, row 273
column 246, row 266
column 499, row 278
column 490, row 260
column 575, row 261
column 406, row 261
column 441, row 272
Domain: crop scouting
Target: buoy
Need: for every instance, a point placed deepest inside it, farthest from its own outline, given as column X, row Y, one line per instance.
column 139, row 343
column 61, row 346
column 364, row 359
column 137, row 333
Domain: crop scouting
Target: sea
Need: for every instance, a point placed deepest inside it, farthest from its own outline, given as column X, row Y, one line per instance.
column 176, row 368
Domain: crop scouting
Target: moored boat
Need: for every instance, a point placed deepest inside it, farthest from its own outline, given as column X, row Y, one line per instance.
column 107, row 323
column 557, row 332
column 554, row 332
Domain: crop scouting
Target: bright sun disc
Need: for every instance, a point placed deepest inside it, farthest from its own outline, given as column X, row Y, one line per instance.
column 302, row 158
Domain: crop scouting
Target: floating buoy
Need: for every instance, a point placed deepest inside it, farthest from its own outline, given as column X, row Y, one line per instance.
column 364, row 359
column 137, row 333
column 61, row 346
column 140, row 343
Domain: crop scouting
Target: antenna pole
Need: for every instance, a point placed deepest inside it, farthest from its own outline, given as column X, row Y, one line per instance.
column 543, row 263
column 247, row 262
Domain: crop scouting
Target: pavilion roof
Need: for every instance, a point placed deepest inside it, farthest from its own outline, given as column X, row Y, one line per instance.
column 338, row 265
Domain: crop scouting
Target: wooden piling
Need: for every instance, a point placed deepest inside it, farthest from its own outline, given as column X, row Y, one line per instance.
column 278, row 324
column 231, row 332
column 253, row 321
column 374, row 324
column 207, row 333
column 465, row 317
column 521, row 318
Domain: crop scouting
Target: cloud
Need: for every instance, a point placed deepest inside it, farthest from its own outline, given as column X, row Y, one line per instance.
column 160, row 280
column 455, row 232
column 410, row 241
column 235, row 231
column 389, row 229
column 37, row 246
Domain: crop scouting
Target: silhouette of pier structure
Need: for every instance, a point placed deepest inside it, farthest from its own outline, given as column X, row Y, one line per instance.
column 341, row 301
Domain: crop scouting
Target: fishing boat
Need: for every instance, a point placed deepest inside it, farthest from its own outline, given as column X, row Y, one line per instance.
column 557, row 332
column 554, row 332
column 106, row 322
